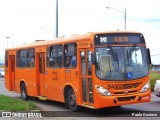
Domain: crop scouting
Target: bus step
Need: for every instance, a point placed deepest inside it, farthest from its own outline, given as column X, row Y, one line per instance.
column 42, row 98
column 88, row 106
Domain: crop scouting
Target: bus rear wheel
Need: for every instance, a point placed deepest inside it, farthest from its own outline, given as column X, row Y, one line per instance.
column 72, row 100
column 24, row 94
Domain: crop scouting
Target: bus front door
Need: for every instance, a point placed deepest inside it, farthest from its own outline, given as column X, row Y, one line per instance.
column 86, row 77
column 41, row 72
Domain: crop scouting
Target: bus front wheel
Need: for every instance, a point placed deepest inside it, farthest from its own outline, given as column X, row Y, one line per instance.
column 24, row 94
column 72, row 100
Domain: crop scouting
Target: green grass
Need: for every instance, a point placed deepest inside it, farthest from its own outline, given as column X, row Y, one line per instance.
column 154, row 75
column 13, row 104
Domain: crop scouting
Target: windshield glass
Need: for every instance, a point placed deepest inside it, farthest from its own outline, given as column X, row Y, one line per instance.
column 121, row 63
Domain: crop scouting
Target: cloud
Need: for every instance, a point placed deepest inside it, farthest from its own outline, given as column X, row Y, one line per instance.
column 152, row 20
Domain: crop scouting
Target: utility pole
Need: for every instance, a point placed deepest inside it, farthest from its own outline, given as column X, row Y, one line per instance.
column 56, row 18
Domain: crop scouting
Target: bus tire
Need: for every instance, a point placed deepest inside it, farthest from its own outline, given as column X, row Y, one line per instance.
column 24, row 94
column 72, row 100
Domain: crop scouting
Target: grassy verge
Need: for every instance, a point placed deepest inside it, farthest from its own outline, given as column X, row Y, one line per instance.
column 13, row 104
column 154, row 75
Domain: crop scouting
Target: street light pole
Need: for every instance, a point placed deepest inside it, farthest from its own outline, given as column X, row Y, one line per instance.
column 56, row 18
column 124, row 12
column 125, row 19
column 7, row 40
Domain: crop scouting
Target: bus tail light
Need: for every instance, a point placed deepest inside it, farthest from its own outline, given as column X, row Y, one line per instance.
column 145, row 87
column 103, row 91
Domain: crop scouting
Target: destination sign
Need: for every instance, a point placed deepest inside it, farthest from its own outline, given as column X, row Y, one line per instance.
column 118, row 39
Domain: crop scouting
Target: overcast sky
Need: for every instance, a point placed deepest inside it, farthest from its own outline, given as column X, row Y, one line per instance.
column 25, row 21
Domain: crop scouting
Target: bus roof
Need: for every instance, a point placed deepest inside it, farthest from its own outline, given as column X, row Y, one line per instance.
column 72, row 38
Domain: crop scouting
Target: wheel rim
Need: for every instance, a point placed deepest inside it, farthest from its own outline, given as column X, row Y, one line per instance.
column 72, row 99
column 23, row 93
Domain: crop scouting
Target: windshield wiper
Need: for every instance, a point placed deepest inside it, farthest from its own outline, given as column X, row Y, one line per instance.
column 129, row 54
column 114, row 55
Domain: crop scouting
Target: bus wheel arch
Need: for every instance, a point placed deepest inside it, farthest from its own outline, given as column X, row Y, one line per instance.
column 70, row 98
column 23, row 91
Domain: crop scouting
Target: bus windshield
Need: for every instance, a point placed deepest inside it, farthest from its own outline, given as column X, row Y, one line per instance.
column 121, row 63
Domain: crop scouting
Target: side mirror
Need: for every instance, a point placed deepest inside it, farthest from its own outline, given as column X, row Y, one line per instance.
column 149, row 56
column 93, row 58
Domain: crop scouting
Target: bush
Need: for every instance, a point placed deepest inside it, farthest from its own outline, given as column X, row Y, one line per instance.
column 154, row 75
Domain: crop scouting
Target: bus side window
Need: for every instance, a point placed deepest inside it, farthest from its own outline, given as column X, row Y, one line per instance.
column 6, row 59
column 70, row 55
column 55, row 56
column 48, row 56
column 31, row 58
column 22, row 58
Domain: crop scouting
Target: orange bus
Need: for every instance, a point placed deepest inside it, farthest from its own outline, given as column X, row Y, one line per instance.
column 93, row 70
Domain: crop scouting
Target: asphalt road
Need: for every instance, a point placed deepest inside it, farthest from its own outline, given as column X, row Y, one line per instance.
column 58, row 110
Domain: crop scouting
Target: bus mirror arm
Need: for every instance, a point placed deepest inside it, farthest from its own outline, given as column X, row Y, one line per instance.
column 149, row 56
column 93, row 58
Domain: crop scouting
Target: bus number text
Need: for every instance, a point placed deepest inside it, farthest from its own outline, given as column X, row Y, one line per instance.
column 115, row 86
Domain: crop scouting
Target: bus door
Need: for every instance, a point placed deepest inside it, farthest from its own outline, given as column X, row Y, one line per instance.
column 12, row 72
column 41, row 73
column 86, row 76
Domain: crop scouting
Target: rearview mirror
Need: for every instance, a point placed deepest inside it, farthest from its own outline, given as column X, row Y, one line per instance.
column 149, row 56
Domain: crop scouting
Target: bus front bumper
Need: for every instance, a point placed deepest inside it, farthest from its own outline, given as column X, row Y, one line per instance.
column 110, row 101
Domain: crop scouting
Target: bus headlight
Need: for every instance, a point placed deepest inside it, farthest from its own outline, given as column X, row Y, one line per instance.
column 103, row 91
column 145, row 87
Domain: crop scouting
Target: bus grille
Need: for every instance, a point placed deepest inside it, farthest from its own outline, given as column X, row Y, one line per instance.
column 133, row 85
column 123, row 99
column 123, row 93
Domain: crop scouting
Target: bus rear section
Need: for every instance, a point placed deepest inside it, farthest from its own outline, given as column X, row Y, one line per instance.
column 10, row 71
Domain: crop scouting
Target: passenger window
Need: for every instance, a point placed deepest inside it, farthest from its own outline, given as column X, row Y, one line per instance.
column 6, row 59
column 22, row 58
column 55, row 56
column 31, row 58
column 70, row 55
